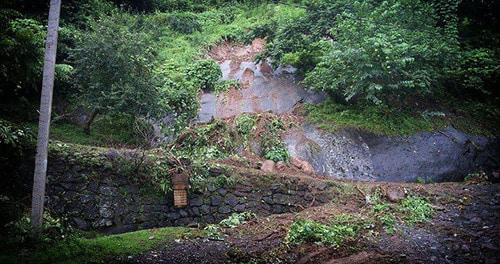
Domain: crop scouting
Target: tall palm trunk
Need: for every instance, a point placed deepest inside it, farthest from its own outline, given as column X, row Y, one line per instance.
column 40, row 176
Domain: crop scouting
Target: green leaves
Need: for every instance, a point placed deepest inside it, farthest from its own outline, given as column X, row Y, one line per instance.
column 21, row 55
column 388, row 48
column 416, row 209
column 204, row 74
column 310, row 231
column 477, row 72
column 185, row 23
column 272, row 146
column 114, row 65
column 237, row 219
column 15, row 137
column 245, row 124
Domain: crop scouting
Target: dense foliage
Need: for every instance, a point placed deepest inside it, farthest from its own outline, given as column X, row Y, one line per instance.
column 114, row 64
column 272, row 146
column 145, row 58
column 386, row 51
column 21, row 55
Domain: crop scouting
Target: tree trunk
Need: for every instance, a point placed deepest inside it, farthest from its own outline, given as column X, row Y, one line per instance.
column 91, row 119
column 40, row 175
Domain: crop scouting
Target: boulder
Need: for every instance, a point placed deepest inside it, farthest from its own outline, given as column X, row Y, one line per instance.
column 395, row 195
column 303, row 165
column 307, row 168
column 267, row 166
column 266, row 69
column 280, row 165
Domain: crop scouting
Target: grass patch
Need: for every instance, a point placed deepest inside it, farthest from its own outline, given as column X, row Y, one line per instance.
column 376, row 119
column 472, row 117
column 104, row 248
column 106, row 131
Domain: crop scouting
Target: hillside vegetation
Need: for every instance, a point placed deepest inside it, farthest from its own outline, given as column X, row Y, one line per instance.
column 136, row 61
column 130, row 77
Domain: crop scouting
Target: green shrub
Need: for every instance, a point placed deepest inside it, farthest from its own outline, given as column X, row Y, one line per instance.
column 14, row 136
column 210, row 141
column 213, row 232
column 179, row 97
column 245, row 124
column 204, row 74
column 115, row 76
column 185, row 23
column 303, row 231
column 53, row 229
column 21, row 56
column 478, row 73
column 298, row 39
column 385, row 51
column 384, row 214
column 388, row 220
column 272, row 146
column 237, row 219
column 225, row 85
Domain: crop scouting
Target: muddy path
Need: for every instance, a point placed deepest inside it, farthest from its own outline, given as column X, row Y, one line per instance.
column 464, row 229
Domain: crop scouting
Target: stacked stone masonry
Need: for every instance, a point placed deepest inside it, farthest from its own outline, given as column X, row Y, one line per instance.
column 99, row 199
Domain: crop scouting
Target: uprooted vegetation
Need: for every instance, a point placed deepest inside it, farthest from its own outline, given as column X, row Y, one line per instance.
column 383, row 216
column 193, row 153
column 359, row 220
column 354, row 217
column 221, row 139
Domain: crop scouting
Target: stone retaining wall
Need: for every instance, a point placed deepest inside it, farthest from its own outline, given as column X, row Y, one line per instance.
column 98, row 198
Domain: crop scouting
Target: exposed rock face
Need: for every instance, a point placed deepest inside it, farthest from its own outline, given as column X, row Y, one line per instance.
column 262, row 88
column 447, row 155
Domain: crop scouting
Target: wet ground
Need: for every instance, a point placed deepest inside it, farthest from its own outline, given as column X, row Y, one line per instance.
column 464, row 229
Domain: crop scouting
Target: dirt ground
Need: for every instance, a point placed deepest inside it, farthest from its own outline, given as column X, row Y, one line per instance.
column 464, row 229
